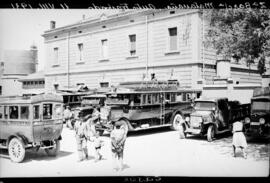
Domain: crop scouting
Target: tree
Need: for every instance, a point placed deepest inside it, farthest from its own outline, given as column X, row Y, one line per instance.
column 240, row 33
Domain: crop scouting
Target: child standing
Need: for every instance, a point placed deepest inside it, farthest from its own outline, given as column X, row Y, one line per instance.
column 239, row 139
column 98, row 143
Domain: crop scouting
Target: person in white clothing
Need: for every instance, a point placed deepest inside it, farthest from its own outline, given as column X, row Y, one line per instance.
column 239, row 139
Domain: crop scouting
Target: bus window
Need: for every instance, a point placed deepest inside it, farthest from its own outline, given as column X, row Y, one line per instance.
column 185, row 96
column 137, row 99
column 149, row 99
column 1, row 112
column 198, row 95
column 144, row 99
column 36, row 111
column 6, row 112
column 13, row 112
column 24, row 112
column 173, row 98
column 179, row 97
column 65, row 99
column 58, row 110
column 47, row 111
column 167, row 97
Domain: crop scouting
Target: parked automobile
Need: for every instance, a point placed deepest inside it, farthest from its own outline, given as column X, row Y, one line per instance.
column 31, row 122
column 259, row 121
column 213, row 116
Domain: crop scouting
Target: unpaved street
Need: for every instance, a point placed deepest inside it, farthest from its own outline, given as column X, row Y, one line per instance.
column 157, row 152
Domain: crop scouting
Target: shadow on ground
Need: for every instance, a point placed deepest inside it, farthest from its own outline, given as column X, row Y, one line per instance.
column 32, row 155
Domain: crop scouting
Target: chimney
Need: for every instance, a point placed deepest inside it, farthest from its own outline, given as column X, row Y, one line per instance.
column 52, row 24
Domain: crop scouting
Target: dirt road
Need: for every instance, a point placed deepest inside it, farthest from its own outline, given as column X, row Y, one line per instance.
column 157, row 152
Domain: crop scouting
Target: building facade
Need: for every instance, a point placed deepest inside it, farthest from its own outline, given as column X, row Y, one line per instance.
column 131, row 45
column 15, row 64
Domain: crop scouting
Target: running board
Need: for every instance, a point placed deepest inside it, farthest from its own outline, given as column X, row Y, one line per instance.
column 223, row 131
column 159, row 126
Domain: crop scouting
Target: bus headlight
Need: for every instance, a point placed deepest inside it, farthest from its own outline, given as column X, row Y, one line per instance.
column 247, row 120
column 262, row 121
column 187, row 119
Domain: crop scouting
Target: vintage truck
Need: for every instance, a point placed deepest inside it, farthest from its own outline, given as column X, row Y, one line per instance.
column 259, row 121
column 213, row 116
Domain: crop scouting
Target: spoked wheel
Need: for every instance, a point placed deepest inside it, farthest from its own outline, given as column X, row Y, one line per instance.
column 176, row 121
column 210, row 133
column 53, row 151
column 16, row 150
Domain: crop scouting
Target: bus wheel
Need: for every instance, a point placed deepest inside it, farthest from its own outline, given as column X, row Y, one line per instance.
column 182, row 133
column 16, row 150
column 210, row 133
column 176, row 121
column 53, row 151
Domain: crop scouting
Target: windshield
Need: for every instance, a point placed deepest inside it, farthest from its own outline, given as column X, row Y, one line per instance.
column 261, row 105
column 119, row 99
column 204, row 106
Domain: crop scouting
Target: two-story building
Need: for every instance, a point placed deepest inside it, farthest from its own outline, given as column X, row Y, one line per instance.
column 129, row 45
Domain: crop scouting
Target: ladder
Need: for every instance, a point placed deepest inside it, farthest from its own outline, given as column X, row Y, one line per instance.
column 162, row 109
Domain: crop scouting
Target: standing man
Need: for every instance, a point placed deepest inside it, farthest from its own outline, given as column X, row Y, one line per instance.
column 239, row 139
column 81, row 137
column 67, row 117
column 118, row 138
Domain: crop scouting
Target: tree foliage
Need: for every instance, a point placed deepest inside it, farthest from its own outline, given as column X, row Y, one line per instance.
column 240, row 33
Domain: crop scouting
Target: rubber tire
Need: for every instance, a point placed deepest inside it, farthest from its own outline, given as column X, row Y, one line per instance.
column 182, row 133
column 210, row 133
column 20, row 147
column 176, row 126
column 54, row 150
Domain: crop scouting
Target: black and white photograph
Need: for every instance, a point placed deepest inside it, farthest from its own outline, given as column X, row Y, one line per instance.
column 134, row 90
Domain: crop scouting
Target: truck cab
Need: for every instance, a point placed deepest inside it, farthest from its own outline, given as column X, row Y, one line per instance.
column 259, row 121
column 212, row 116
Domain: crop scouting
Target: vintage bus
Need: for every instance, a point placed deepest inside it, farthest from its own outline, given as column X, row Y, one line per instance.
column 31, row 122
column 148, row 104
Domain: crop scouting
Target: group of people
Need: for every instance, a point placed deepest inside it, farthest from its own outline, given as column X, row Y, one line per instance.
column 86, row 131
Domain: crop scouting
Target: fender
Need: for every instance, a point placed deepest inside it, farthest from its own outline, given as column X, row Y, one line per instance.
column 127, row 121
column 59, row 138
column 206, row 124
column 174, row 113
column 19, row 136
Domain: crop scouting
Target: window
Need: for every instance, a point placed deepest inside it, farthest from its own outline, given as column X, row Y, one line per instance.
column 6, row 112
column 179, row 97
column 132, row 45
column 80, row 49
column 104, row 84
column 144, row 99
column 173, row 97
column 55, row 56
column 0, row 90
column 149, row 97
column 24, row 112
column 47, row 111
column 1, row 112
column 36, row 111
column 13, row 112
column 173, row 39
column 58, row 110
column 137, row 99
column 104, row 49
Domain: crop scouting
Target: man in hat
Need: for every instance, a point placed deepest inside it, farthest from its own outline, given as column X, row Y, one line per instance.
column 118, row 138
column 81, row 137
